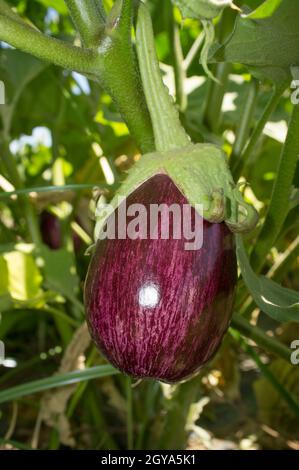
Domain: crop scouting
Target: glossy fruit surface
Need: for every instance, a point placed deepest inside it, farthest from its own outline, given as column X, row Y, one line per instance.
column 153, row 308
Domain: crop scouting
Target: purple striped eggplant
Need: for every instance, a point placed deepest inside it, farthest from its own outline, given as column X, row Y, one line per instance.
column 155, row 309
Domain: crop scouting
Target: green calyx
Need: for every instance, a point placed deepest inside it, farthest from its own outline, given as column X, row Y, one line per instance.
column 201, row 173
column 202, row 9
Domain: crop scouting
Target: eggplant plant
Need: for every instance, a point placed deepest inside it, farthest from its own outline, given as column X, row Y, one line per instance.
column 155, row 310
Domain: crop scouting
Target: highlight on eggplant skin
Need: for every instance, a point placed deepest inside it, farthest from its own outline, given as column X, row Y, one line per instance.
column 154, row 309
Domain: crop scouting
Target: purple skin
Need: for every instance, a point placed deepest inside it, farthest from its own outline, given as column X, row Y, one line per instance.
column 50, row 230
column 154, row 309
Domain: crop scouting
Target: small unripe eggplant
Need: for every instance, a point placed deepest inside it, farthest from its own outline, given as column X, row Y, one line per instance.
column 154, row 308
column 50, row 230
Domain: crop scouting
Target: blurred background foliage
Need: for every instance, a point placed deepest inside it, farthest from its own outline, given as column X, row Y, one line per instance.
column 59, row 129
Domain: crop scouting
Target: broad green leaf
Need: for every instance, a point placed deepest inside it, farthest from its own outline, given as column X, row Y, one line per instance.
column 24, row 277
column 17, row 69
column 60, row 271
column 206, row 9
column 267, row 45
column 276, row 301
column 264, row 10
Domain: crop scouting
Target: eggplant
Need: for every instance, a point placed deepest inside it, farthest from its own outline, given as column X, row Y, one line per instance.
column 155, row 309
column 51, row 232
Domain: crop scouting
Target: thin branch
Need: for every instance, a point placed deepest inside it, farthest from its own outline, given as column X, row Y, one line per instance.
column 258, row 130
column 244, row 125
column 178, row 58
column 87, row 19
column 46, row 48
column 280, row 200
column 260, row 337
column 194, row 50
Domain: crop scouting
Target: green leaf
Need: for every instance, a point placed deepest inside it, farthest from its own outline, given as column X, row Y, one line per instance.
column 23, row 276
column 207, row 9
column 264, row 10
column 279, row 303
column 60, row 271
column 59, row 380
column 17, row 69
column 267, row 45
column 3, row 277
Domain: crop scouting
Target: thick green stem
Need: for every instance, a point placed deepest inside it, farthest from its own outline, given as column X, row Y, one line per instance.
column 113, row 64
column 168, row 131
column 177, row 411
column 260, row 337
column 258, row 130
column 213, row 106
column 87, row 19
column 244, row 125
column 46, row 48
column 120, row 75
column 280, row 199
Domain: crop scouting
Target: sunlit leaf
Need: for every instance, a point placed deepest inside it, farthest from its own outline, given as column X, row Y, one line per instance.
column 24, row 277
column 264, row 10
column 268, row 45
column 60, row 271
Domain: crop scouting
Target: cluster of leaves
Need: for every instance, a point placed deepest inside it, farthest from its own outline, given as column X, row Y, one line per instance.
column 59, row 132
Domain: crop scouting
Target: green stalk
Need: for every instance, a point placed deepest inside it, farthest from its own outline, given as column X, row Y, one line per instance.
column 213, row 114
column 194, row 50
column 178, row 61
column 168, row 131
column 174, row 435
column 56, row 189
column 280, row 199
column 88, row 20
column 258, row 130
column 15, row 179
column 260, row 337
column 46, row 48
column 129, row 392
column 120, row 75
column 113, row 64
column 285, row 261
column 245, row 123
column 283, row 392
